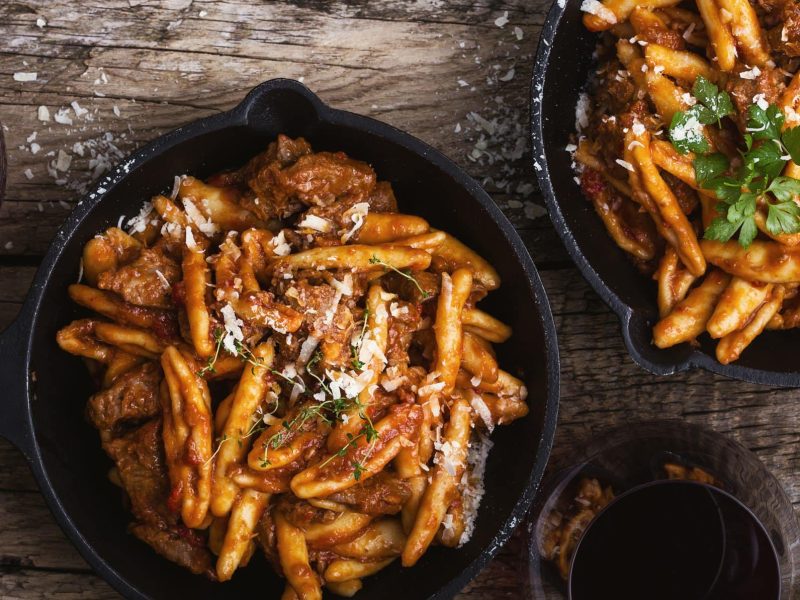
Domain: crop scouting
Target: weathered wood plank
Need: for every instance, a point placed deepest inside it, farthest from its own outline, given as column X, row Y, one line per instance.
column 162, row 66
column 31, row 584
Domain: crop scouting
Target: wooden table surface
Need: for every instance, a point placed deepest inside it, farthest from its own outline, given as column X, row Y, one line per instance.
column 454, row 73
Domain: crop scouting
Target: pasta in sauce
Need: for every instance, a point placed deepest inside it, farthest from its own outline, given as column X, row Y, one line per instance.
column 285, row 361
column 686, row 143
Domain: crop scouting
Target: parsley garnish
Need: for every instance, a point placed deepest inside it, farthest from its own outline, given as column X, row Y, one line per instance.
column 757, row 180
column 685, row 130
column 377, row 261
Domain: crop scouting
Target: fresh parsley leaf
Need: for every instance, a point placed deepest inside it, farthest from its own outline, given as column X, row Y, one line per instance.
column 766, row 159
column 717, row 104
column 727, row 189
column 720, row 230
column 783, row 217
column 747, row 233
column 686, row 132
column 764, row 124
column 743, row 208
column 784, row 188
column 709, row 166
column 791, row 139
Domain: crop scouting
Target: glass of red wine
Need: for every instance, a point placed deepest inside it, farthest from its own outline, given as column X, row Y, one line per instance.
column 663, row 511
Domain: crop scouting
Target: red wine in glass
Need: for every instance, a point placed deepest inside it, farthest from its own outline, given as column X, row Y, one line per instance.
column 675, row 540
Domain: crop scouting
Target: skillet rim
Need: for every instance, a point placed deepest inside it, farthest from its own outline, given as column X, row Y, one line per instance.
column 625, row 313
column 22, row 328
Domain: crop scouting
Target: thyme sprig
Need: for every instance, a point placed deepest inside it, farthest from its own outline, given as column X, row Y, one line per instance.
column 219, row 335
column 377, row 261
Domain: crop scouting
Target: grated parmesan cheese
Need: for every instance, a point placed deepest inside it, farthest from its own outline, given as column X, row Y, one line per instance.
column 356, row 214
column 625, row 164
column 176, row 187
column 198, row 219
column 25, row 76
column 163, row 279
column 583, row 109
column 138, row 223
column 750, row 74
column 233, row 327
column 316, row 223
column 761, row 101
column 279, row 244
column 472, row 483
column 596, row 8
column 482, row 410
column 190, row 243
column 43, row 114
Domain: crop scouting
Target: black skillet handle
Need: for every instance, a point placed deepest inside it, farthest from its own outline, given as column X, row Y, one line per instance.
column 14, row 410
column 282, row 103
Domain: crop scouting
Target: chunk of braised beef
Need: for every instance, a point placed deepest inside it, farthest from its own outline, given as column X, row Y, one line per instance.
column 146, row 281
column 139, row 456
column 185, row 547
column 383, row 494
column 319, row 179
column 768, row 82
column 131, row 399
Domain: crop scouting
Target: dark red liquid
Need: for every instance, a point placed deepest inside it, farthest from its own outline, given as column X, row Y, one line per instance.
column 675, row 541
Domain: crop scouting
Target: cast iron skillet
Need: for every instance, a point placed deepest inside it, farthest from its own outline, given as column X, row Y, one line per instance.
column 45, row 390
column 563, row 66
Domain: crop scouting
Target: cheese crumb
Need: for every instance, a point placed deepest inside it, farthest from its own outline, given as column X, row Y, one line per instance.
column 316, row 223
column 79, row 110
column 233, row 327
column 21, row 76
column 625, row 164
column 41, row 22
column 29, row 174
column 751, row 74
column 43, row 114
column 62, row 117
column 761, row 101
column 596, row 8
column 502, row 21
column 279, row 244
column 63, row 161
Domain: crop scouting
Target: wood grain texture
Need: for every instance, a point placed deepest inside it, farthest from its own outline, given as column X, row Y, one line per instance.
column 421, row 65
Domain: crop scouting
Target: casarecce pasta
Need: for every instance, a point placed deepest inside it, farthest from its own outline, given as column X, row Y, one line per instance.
column 285, row 361
column 687, row 150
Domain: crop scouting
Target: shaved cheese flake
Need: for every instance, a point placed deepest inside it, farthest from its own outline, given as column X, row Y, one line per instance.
column 198, row 219
column 176, row 186
column 279, row 244
column 233, row 327
column 307, row 349
column 750, row 74
column 25, row 76
column 163, row 279
column 480, row 408
column 43, row 114
column 356, row 214
column 625, row 164
column 190, row 243
column 316, row 223
column 139, row 223
column 345, row 286
column 596, row 8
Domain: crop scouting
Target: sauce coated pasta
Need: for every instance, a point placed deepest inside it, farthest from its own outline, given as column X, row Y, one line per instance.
column 285, row 361
column 688, row 149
